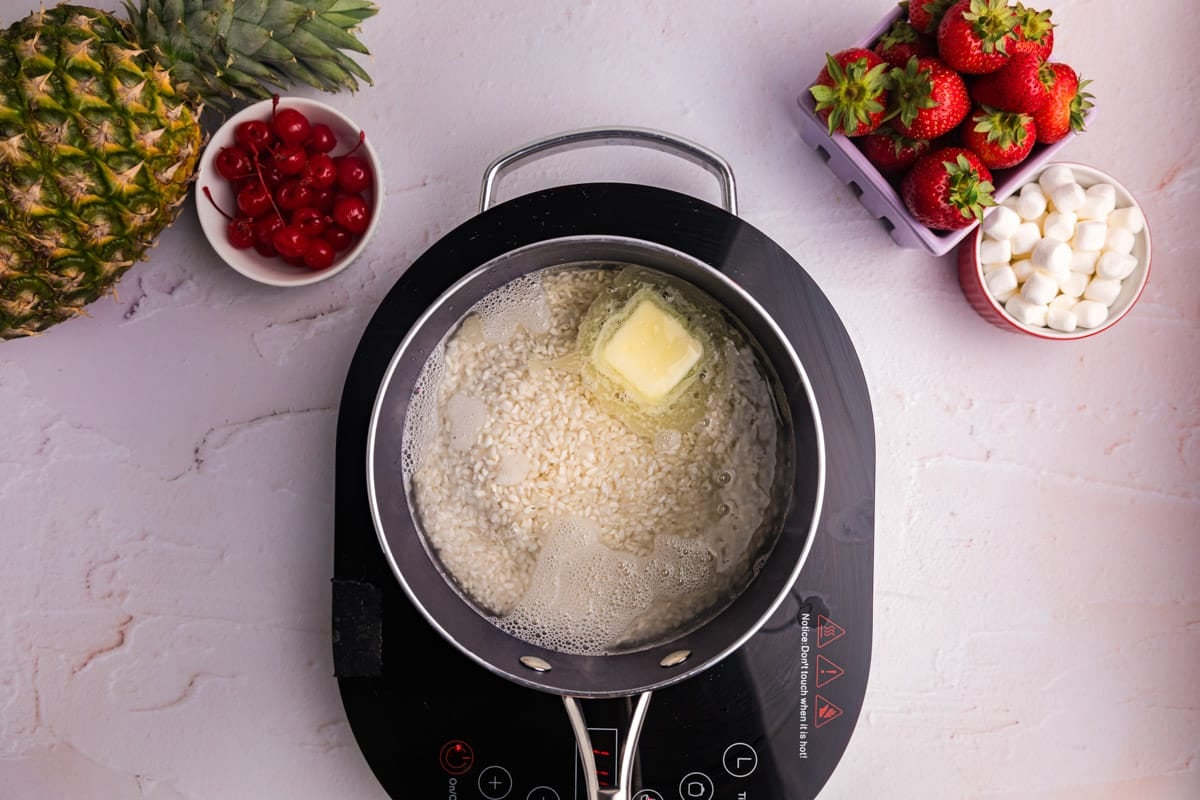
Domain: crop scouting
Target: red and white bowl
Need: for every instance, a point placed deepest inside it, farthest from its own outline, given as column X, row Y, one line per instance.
column 971, row 278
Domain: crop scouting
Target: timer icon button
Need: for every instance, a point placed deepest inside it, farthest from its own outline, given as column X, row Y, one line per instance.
column 740, row 760
column 647, row 794
column 495, row 783
column 456, row 757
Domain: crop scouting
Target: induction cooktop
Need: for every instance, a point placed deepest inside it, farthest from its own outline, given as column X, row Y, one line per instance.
column 769, row 722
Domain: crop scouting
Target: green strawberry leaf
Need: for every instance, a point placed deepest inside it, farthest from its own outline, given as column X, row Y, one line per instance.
column 994, row 22
column 968, row 192
column 1081, row 103
column 912, row 91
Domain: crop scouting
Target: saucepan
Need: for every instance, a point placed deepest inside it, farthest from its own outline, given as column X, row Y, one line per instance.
column 797, row 491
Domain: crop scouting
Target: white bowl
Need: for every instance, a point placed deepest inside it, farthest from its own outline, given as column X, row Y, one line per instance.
column 273, row 270
column 970, row 269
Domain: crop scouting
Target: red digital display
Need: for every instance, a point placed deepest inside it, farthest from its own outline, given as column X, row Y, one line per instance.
column 604, row 750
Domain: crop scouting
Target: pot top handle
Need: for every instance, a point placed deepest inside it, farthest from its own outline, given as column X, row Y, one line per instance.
column 643, row 137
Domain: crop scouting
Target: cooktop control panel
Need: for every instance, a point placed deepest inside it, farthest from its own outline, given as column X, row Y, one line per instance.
column 769, row 722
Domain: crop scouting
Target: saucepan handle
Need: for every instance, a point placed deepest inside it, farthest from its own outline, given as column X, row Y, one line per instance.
column 583, row 740
column 587, row 137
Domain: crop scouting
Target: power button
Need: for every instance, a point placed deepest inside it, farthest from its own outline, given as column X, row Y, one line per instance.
column 456, row 757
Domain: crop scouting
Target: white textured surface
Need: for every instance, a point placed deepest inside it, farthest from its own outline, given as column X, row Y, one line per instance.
column 166, row 465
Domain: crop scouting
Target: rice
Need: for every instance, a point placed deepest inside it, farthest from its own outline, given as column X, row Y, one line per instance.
column 520, row 470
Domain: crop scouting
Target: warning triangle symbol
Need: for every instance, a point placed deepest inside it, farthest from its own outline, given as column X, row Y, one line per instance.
column 828, row 630
column 826, row 711
column 827, row 671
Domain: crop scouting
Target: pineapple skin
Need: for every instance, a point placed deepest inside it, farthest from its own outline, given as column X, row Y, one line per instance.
column 97, row 152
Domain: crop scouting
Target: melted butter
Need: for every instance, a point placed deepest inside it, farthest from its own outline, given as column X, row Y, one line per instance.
column 650, row 351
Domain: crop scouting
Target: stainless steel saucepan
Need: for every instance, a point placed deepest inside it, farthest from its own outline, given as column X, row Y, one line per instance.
column 798, row 490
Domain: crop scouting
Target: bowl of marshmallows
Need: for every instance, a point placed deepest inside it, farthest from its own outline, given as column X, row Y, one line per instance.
column 1065, row 256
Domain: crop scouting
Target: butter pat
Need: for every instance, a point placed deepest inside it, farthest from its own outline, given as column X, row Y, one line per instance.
column 651, row 351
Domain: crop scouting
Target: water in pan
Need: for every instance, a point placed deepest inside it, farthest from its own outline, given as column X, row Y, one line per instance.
column 563, row 524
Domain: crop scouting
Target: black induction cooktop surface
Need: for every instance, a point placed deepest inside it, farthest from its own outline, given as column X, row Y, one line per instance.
column 769, row 722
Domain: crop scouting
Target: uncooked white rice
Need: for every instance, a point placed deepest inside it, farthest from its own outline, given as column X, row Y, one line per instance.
column 520, row 464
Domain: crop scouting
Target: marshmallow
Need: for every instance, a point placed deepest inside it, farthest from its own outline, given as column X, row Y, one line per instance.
column 1130, row 218
column 1120, row 240
column 1053, row 176
column 1059, row 225
column 1032, row 202
column 1073, row 287
column 1052, row 255
column 1103, row 290
column 1039, row 288
column 1084, row 261
column 1059, row 270
column 1101, row 199
column 1025, row 312
column 1092, row 208
column 1024, row 268
column 1000, row 222
column 1089, row 313
column 995, row 251
column 1062, row 320
column 1001, row 282
column 1024, row 238
column 1064, row 302
column 1090, row 235
column 1068, row 196
column 1118, row 266
column 1010, row 202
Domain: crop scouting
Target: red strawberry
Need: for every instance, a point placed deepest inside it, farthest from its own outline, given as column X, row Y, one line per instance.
column 928, row 98
column 1034, row 33
column 1001, row 139
column 1064, row 111
column 902, row 42
column 1023, row 85
column 924, row 15
column 851, row 91
column 973, row 35
column 892, row 152
column 947, row 189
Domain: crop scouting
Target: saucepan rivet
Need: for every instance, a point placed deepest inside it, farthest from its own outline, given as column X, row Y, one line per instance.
column 536, row 664
column 676, row 658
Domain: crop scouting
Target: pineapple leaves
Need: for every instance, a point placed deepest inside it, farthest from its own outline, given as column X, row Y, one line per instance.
column 328, row 32
column 232, row 49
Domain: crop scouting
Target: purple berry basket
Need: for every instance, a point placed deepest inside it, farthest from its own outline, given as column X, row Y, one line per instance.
column 877, row 194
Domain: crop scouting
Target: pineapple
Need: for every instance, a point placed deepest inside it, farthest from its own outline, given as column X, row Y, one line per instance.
column 100, row 128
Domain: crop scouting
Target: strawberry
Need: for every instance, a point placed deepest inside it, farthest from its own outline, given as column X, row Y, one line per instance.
column 851, row 91
column 973, row 35
column 891, row 152
column 1023, row 85
column 1034, row 33
column 902, row 42
column 1001, row 139
column 924, row 15
column 947, row 189
column 1064, row 111
column 928, row 98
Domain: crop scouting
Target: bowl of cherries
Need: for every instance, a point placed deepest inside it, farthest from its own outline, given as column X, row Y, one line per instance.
column 288, row 191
